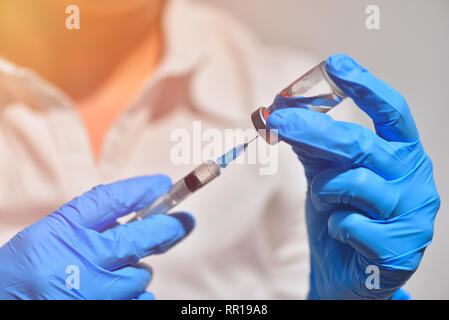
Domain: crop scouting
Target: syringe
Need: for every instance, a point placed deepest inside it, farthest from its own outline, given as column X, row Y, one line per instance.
column 196, row 179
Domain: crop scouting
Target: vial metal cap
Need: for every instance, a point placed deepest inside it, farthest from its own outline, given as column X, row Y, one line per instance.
column 259, row 119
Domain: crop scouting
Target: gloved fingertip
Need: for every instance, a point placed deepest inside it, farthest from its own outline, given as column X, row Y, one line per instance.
column 339, row 226
column 145, row 190
column 341, row 65
column 162, row 180
column 146, row 296
column 288, row 117
column 150, row 295
column 187, row 220
column 275, row 120
column 144, row 266
column 401, row 294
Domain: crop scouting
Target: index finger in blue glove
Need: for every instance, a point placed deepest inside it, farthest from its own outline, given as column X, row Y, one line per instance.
column 127, row 243
column 388, row 109
column 319, row 136
column 145, row 296
column 102, row 205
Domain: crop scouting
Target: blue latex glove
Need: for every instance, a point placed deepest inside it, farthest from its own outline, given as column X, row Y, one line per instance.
column 371, row 200
column 82, row 239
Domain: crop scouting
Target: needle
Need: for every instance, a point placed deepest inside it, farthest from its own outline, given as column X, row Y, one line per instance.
column 255, row 137
column 232, row 154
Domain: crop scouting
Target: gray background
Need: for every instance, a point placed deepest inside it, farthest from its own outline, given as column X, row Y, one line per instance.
column 410, row 52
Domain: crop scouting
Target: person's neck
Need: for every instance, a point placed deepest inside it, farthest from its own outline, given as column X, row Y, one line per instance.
column 34, row 34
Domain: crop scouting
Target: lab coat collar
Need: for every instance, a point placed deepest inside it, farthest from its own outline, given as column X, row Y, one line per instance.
column 193, row 49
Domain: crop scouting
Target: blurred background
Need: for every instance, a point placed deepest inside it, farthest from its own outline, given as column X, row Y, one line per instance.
column 410, row 51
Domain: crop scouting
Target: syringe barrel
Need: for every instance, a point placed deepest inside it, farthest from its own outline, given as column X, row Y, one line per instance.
column 196, row 179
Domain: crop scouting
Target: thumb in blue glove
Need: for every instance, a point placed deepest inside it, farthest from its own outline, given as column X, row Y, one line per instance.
column 75, row 253
column 371, row 200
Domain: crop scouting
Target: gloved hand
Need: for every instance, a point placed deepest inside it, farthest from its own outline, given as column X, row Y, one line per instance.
column 79, row 251
column 371, row 199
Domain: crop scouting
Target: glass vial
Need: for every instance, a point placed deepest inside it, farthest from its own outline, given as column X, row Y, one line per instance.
column 314, row 90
